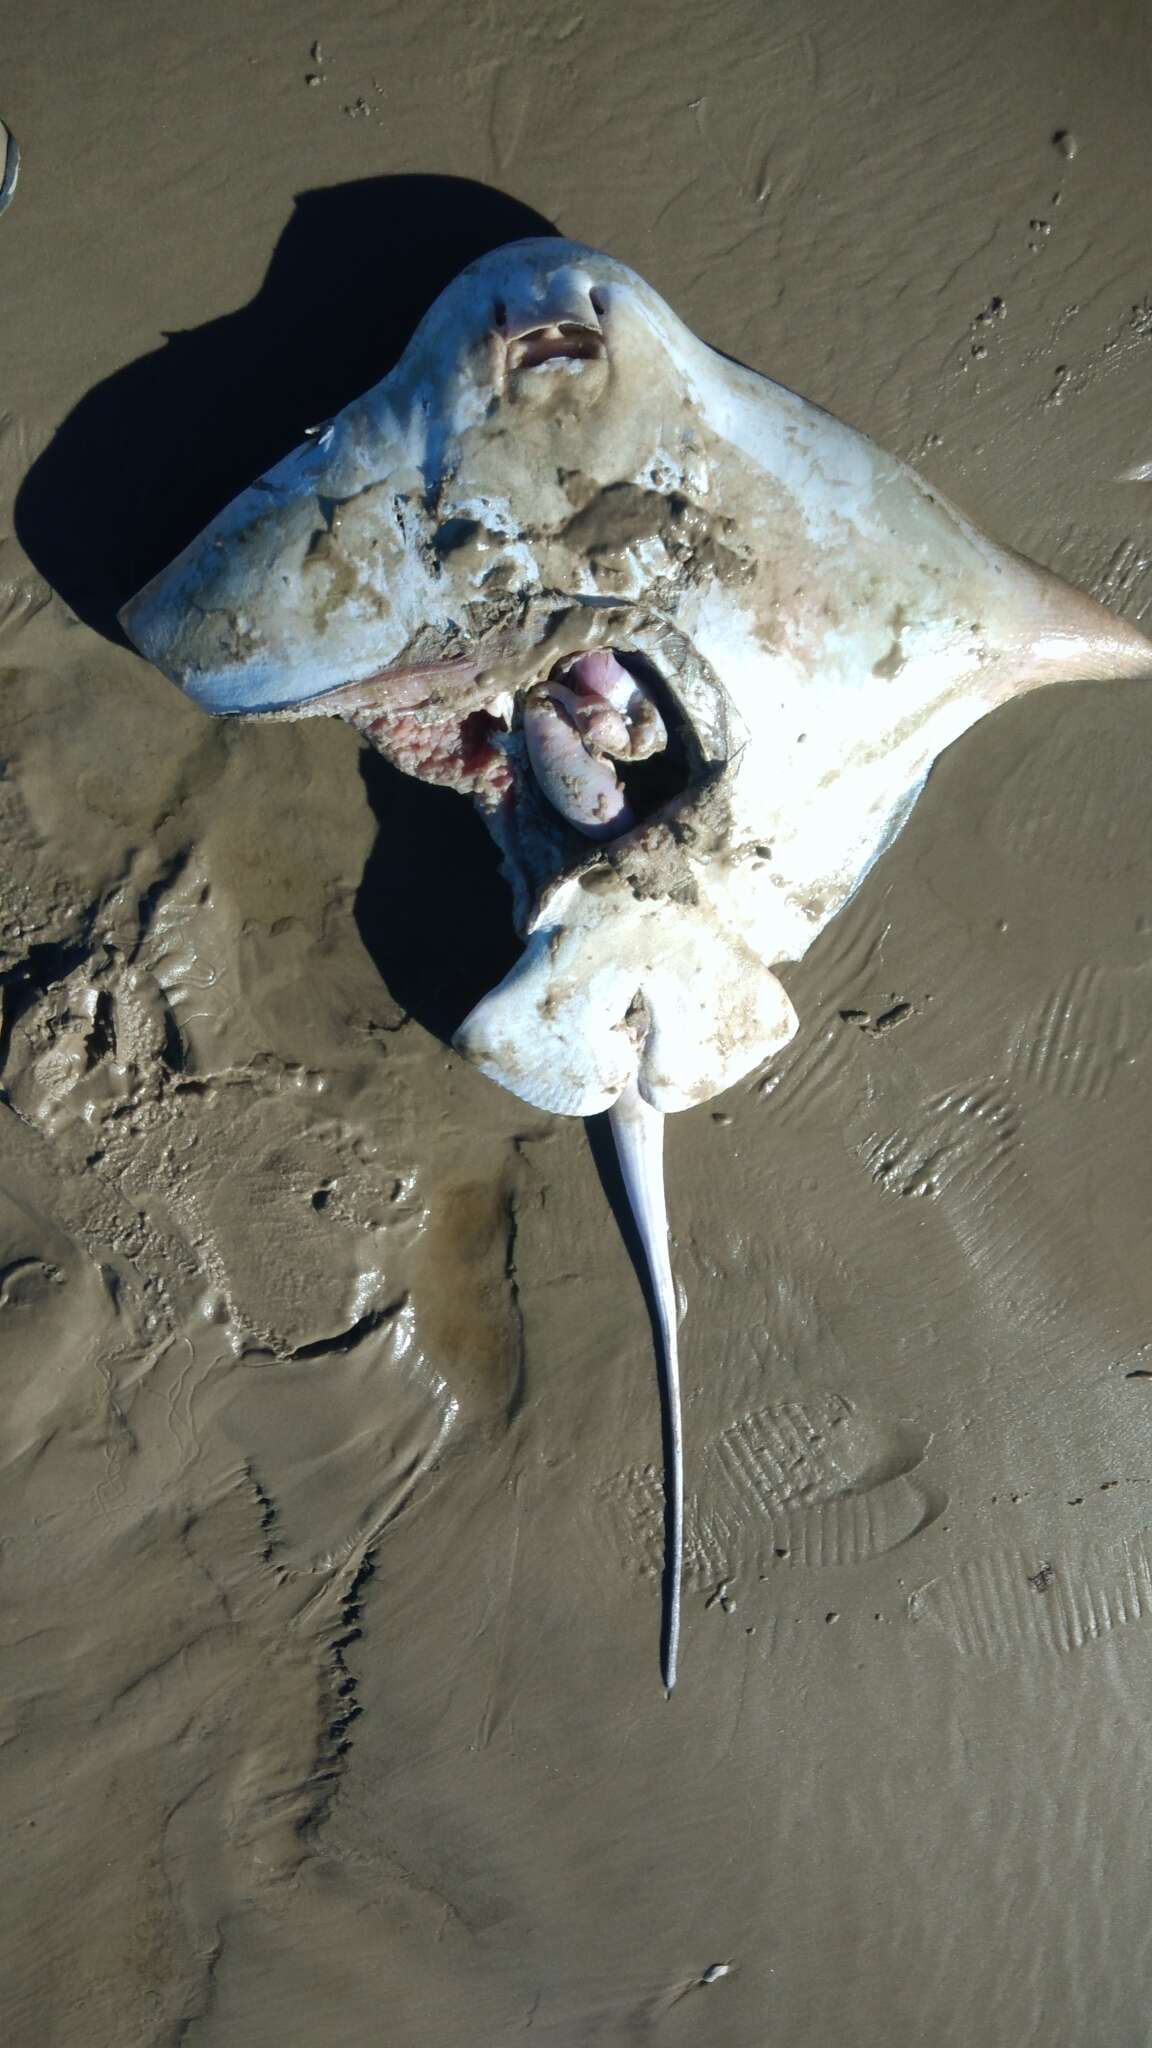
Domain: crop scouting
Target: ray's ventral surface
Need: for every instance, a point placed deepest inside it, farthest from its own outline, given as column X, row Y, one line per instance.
column 689, row 644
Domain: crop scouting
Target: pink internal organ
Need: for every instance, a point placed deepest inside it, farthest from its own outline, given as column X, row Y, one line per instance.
column 455, row 753
column 578, row 781
column 576, row 725
column 599, row 679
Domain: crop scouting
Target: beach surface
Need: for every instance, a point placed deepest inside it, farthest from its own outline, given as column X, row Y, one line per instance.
column 330, row 1513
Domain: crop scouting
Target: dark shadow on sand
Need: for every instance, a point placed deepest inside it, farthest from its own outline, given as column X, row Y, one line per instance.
column 432, row 909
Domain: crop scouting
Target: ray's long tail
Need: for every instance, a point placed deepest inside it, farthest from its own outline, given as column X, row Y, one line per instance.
column 638, row 1133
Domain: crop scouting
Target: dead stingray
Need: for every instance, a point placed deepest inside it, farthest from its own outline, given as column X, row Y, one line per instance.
column 690, row 644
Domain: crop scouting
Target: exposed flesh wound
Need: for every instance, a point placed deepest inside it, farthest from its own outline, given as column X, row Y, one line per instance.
column 578, row 780
column 454, row 753
column 588, row 715
column 598, row 679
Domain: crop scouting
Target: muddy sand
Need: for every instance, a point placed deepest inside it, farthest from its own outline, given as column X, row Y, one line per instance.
column 329, row 1483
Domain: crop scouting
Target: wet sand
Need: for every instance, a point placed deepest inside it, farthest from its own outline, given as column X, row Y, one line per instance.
column 329, row 1491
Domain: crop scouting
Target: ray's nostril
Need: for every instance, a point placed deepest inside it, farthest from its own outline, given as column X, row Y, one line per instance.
column 499, row 313
column 597, row 301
